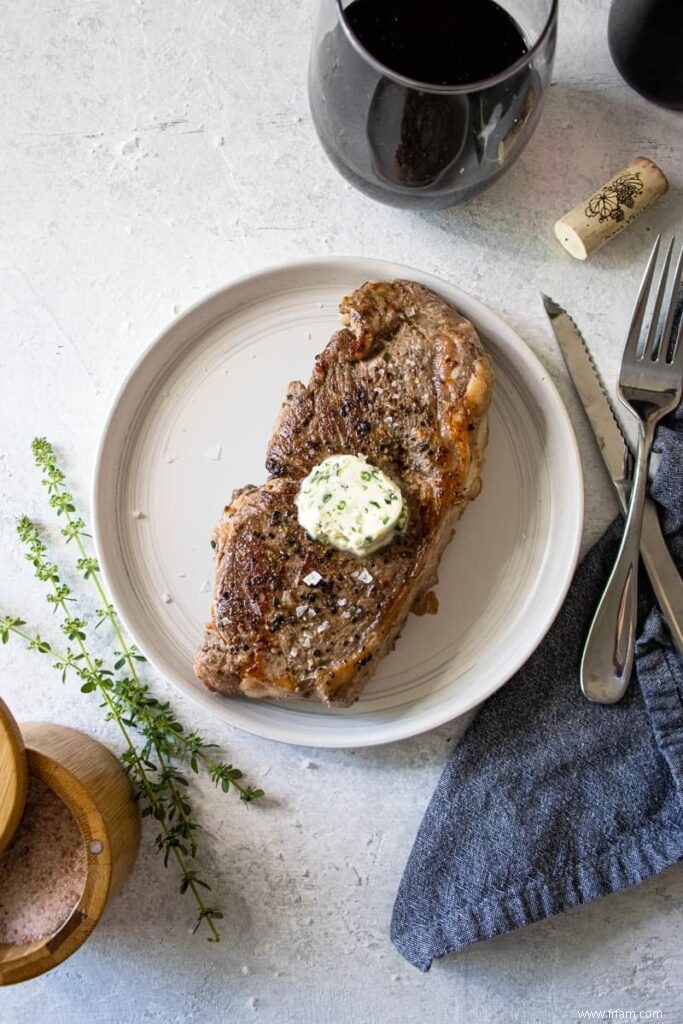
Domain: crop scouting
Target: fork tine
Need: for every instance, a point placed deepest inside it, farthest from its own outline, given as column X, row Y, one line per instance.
column 631, row 347
column 674, row 296
column 649, row 350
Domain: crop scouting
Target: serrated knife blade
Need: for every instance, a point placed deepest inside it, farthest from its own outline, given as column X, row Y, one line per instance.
column 596, row 404
column 664, row 576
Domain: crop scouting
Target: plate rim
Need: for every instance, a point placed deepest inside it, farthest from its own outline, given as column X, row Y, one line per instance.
column 403, row 727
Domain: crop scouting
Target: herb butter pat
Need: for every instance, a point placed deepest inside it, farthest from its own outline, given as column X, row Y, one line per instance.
column 348, row 503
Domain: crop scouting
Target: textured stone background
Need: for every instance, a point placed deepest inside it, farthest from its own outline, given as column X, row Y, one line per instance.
column 151, row 150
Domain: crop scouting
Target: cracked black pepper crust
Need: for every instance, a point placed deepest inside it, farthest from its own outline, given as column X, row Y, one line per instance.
column 407, row 384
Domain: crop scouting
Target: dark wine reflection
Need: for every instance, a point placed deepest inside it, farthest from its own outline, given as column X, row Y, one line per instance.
column 431, row 131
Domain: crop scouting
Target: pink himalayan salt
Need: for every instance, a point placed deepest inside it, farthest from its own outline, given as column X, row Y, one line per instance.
column 42, row 871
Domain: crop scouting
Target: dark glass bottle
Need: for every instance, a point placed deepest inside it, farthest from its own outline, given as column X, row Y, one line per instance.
column 646, row 42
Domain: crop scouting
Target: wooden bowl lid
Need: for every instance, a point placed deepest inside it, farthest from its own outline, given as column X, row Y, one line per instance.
column 13, row 776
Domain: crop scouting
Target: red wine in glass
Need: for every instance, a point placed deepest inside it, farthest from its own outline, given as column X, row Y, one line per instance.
column 438, row 41
column 422, row 103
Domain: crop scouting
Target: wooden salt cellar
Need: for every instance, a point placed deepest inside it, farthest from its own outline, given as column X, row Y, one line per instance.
column 91, row 782
column 13, row 776
column 612, row 208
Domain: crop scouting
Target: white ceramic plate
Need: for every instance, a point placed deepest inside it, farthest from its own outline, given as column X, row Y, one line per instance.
column 191, row 423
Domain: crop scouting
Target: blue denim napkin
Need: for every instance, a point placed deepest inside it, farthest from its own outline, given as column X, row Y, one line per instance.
column 550, row 801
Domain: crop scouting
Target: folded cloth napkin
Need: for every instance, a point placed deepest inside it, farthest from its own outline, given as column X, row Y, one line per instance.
column 551, row 801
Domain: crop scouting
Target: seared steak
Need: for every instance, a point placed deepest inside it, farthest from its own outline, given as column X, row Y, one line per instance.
column 407, row 384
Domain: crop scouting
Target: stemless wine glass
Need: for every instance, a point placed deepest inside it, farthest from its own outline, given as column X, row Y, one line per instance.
column 418, row 145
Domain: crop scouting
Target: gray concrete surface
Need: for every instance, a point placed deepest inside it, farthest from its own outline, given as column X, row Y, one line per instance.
column 151, row 150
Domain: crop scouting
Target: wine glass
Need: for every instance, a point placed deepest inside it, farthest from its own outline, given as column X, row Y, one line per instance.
column 419, row 144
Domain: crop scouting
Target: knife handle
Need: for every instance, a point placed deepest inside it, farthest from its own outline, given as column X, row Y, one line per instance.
column 664, row 576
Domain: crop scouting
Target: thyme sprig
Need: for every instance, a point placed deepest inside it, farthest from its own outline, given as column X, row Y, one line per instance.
column 153, row 759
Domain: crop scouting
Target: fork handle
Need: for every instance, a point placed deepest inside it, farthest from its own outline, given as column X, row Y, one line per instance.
column 608, row 655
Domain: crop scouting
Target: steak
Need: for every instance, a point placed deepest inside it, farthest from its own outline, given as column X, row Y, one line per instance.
column 407, row 384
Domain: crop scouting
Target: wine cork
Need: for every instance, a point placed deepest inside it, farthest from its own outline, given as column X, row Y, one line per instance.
column 611, row 208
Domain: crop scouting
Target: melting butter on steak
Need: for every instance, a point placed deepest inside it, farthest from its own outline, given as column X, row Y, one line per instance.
column 407, row 384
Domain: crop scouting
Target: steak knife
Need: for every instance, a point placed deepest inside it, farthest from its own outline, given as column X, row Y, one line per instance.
column 664, row 576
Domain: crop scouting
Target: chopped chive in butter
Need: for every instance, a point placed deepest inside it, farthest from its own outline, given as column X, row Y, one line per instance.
column 350, row 504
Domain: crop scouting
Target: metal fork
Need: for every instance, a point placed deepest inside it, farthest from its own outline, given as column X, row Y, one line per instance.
column 650, row 384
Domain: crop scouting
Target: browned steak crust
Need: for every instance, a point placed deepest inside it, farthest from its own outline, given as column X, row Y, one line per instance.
column 407, row 384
